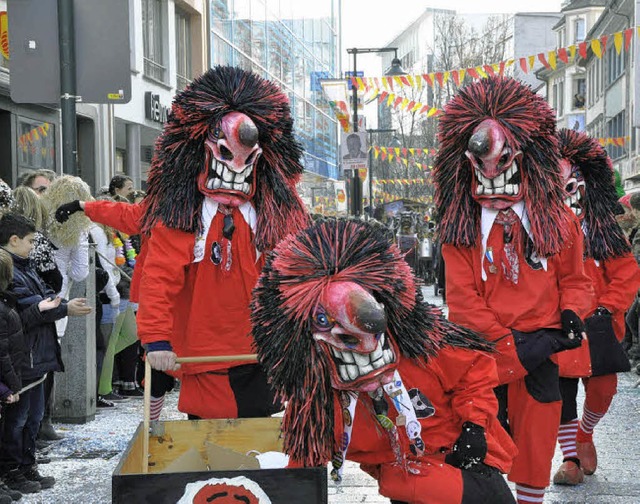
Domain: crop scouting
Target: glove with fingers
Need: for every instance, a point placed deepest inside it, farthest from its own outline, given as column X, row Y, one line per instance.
column 470, row 449
column 67, row 210
column 573, row 330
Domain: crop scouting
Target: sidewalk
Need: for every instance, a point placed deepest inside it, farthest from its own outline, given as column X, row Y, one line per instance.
column 82, row 463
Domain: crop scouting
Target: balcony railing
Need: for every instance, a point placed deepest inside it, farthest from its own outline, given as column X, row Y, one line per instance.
column 154, row 70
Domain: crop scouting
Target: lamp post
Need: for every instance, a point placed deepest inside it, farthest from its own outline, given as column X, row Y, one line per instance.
column 396, row 69
column 395, row 143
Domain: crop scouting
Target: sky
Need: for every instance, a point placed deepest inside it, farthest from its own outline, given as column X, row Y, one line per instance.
column 374, row 23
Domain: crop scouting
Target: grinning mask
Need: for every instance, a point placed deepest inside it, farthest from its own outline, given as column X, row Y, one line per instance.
column 232, row 151
column 574, row 186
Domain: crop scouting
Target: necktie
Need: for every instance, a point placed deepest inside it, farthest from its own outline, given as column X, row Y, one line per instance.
column 510, row 263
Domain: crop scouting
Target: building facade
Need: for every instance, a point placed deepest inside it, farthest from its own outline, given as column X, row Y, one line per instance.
column 294, row 44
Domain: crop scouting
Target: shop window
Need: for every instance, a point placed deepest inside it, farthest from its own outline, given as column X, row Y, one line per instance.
column 36, row 145
column 183, row 49
column 152, row 30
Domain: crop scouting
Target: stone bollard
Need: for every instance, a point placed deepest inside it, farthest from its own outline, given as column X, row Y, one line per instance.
column 75, row 389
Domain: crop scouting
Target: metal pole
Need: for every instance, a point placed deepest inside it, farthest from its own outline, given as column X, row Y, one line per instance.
column 66, row 40
column 370, row 175
column 356, row 192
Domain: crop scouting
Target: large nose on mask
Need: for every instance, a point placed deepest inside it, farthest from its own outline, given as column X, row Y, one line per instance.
column 355, row 308
column 479, row 142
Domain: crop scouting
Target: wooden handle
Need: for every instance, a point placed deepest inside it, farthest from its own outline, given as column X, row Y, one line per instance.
column 147, row 393
column 218, row 358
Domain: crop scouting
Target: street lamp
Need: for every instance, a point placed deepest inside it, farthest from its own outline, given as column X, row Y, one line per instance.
column 396, row 69
column 395, row 142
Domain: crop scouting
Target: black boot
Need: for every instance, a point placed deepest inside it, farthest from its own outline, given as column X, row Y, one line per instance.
column 31, row 473
column 47, row 432
column 15, row 480
column 14, row 494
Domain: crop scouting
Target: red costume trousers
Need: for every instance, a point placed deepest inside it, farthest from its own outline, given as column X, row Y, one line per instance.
column 534, row 429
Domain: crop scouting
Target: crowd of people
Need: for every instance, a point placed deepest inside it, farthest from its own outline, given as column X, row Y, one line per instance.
column 40, row 258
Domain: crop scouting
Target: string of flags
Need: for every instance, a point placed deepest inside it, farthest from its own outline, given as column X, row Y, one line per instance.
column 550, row 59
column 405, row 151
column 27, row 141
column 416, row 181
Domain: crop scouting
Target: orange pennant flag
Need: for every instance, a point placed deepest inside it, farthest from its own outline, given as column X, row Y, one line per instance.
column 427, row 78
column 456, row 77
column 596, row 48
column 543, row 60
column 582, row 50
column 604, row 40
column 562, row 55
column 628, row 35
column 523, row 65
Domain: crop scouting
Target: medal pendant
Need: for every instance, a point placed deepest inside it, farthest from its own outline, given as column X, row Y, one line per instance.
column 493, row 269
column 401, row 420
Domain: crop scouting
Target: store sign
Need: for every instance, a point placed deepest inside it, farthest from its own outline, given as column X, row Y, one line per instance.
column 153, row 109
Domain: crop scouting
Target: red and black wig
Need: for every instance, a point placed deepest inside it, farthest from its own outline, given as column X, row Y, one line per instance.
column 529, row 126
column 288, row 291
column 603, row 239
column 173, row 197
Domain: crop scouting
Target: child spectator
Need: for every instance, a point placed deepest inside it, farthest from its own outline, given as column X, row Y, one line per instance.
column 39, row 309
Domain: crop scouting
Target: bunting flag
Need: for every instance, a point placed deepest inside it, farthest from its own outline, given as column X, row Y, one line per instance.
column 4, row 35
column 419, row 151
column 621, row 40
column 617, row 141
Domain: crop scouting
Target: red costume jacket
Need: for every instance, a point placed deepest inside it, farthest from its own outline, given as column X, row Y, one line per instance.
column 126, row 218
column 495, row 306
column 615, row 282
column 198, row 308
column 454, row 387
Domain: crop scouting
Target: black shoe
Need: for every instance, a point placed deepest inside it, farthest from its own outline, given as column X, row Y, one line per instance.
column 114, row 397
column 14, row 494
column 48, row 433
column 41, row 444
column 31, row 473
column 103, row 403
column 15, row 480
column 135, row 393
column 42, row 460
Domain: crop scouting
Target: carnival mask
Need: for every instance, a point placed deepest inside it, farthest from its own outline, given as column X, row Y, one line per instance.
column 498, row 181
column 232, row 152
column 574, row 186
column 350, row 326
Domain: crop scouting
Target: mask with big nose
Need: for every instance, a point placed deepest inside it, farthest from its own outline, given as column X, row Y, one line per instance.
column 574, row 187
column 497, row 181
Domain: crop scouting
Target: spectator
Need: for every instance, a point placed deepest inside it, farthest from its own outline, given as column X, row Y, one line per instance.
column 121, row 185
column 13, row 352
column 38, row 180
column 39, row 309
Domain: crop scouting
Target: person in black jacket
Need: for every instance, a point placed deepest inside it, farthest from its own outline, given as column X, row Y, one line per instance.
column 22, row 419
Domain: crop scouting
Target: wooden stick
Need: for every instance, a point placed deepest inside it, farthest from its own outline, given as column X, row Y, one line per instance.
column 147, row 415
column 147, row 393
column 218, row 358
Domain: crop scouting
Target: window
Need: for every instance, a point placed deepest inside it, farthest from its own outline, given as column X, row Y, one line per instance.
column 615, row 65
column 152, row 40
column 579, row 30
column 183, row 49
column 36, row 145
column 558, row 97
column 561, row 37
column 579, row 92
column 616, row 128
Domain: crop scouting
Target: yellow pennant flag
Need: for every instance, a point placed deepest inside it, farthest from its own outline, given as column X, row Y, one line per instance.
column 397, row 151
column 445, row 77
column 617, row 41
column 416, row 107
column 496, row 67
column 390, row 157
column 461, row 74
column 406, row 163
column 375, row 94
column 510, row 62
column 390, row 99
column 432, row 111
column 596, row 47
column 376, row 153
column 397, row 80
column 572, row 51
column 481, row 72
column 383, row 149
column 552, row 59
column 418, row 81
column 384, row 84
column 532, row 61
column 412, row 151
column 411, row 81
column 404, row 103
column 360, row 83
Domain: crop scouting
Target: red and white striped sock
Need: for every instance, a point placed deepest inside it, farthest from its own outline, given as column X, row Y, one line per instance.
column 588, row 423
column 567, row 439
column 527, row 494
column 156, row 407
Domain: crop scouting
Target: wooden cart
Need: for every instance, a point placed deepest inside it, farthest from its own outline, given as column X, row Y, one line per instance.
column 145, row 471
